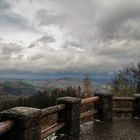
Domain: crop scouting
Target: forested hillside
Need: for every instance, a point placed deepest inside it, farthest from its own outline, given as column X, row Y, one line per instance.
column 17, row 88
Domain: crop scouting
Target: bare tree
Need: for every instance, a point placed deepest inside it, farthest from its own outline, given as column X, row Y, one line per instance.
column 127, row 80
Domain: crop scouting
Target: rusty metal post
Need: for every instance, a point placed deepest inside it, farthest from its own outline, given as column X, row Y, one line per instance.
column 104, row 106
column 136, row 106
column 26, row 123
column 71, row 117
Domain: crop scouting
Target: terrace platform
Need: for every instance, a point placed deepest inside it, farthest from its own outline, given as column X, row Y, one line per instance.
column 113, row 130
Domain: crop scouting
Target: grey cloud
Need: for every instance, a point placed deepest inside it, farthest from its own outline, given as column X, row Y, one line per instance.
column 9, row 48
column 7, row 51
column 108, row 34
column 37, row 57
column 67, row 14
column 93, row 19
column 45, row 39
column 12, row 19
column 46, row 17
column 118, row 53
column 116, row 23
column 95, row 25
column 4, row 5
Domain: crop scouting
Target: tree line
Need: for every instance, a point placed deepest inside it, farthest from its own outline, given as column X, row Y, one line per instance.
column 42, row 99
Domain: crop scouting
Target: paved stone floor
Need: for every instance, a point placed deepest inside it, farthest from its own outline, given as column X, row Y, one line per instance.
column 115, row 130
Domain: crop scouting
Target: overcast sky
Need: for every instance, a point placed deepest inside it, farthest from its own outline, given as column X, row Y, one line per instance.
column 38, row 36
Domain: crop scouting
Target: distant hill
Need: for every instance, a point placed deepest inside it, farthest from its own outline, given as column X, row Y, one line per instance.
column 63, row 83
column 16, row 87
column 30, row 87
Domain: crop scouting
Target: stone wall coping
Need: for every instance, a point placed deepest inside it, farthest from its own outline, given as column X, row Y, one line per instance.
column 69, row 99
column 136, row 95
column 23, row 113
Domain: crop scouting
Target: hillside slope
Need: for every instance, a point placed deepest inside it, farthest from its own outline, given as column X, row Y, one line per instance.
column 17, row 88
column 63, row 83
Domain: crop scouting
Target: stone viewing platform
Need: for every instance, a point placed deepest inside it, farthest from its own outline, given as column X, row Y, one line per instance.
column 114, row 130
column 24, row 123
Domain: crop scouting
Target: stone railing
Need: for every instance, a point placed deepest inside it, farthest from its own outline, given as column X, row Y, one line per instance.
column 135, row 106
column 24, row 123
